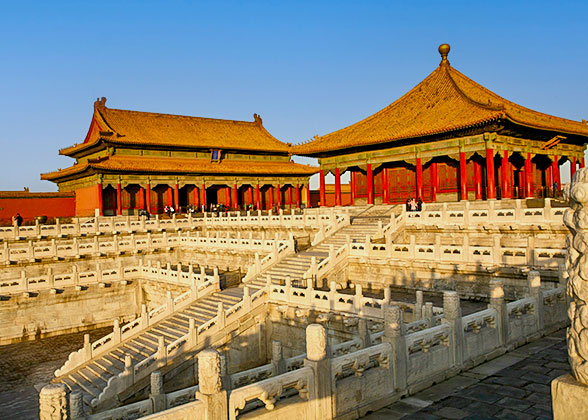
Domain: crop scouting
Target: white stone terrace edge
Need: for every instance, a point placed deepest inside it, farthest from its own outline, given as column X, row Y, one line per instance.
column 129, row 224
column 115, row 244
column 200, row 285
column 402, row 363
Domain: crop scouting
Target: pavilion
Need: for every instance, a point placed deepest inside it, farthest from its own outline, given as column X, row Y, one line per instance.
column 134, row 160
column 449, row 139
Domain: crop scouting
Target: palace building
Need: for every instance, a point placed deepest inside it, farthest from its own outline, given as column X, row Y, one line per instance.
column 134, row 160
column 449, row 139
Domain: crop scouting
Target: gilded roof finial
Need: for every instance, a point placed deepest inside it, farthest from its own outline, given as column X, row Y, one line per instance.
column 444, row 51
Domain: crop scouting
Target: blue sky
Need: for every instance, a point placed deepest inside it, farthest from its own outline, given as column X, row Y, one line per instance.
column 306, row 67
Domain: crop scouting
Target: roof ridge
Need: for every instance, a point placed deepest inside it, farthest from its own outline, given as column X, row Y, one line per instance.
column 498, row 107
column 159, row 114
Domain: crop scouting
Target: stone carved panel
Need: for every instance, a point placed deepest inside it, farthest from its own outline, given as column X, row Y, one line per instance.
column 53, row 402
column 316, row 342
column 209, row 369
column 576, row 219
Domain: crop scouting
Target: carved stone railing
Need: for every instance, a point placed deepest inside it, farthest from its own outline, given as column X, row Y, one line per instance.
column 200, row 285
column 116, row 244
column 280, row 250
column 129, row 224
column 329, row 225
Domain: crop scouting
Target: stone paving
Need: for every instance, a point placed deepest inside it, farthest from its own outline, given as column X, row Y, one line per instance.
column 513, row 386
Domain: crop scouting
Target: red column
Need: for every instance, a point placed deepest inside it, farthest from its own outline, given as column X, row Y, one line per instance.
column 555, row 172
column 250, row 195
column 141, row 198
column 100, row 202
column 322, row 196
column 203, row 192
column 196, row 193
column 308, row 195
column 257, row 197
column 352, row 186
column 419, row 178
column 177, row 197
column 463, row 190
column 148, row 198
column 271, row 197
column 370, row 182
column 573, row 167
column 297, row 196
column 528, row 176
column 478, row 179
column 290, row 196
column 235, row 197
column 170, row 199
column 337, row 187
column 278, row 196
column 228, row 197
column 385, row 189
column 118, row 200
column 490, row 175
column 434, row 181
column 581, row 163
column 522, row 183
column 504, row 168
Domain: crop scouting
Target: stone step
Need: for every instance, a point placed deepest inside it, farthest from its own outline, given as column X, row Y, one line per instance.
column 85, row 385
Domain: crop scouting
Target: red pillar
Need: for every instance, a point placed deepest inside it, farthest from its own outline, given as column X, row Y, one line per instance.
column 505, row 175
column 555, row 172
column 235, row 197
column 141, row 198
column 352, row 186
column 308, row 196
column 100, row 202
column 297, row 196
column 290, row 196
column 271, row 197
column 573, row 167
column 148, row 198
column 419, row 178
column 528, row 176
column 322, row 196
column 203, row 192
column 463, row 190
column 177, row 197
column 170, row 199
column 477, row 179
column 522, row 183
column 228, row 197
column 257, row 197
column 434, row 181
column 337, row 187
column 118, row 200
column 370, row 183
column 581, row 163
column 385, row 189
column 250, row 195
column 196, row 193
column 278, row 196
column 490, row 175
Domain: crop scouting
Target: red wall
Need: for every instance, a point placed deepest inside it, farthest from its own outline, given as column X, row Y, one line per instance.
column 86, row 201
column 30, row 205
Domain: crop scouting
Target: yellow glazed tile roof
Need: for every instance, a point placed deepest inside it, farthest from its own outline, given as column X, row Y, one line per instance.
column 167, row 165
column 151, row 129
column 445, row 101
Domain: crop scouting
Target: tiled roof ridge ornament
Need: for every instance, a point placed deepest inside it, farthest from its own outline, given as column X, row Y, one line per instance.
column 444, row 51
column 100, row 103
column 258, row 119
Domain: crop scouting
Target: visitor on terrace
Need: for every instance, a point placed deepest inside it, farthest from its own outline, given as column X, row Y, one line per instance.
column 17, row 219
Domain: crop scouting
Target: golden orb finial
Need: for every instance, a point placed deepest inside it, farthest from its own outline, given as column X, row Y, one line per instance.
column 444, row 51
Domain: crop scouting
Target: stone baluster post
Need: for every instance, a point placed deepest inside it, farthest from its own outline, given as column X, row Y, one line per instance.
column 50, row 277
column 452, row 316
column 57, row 227
column 24, row 281
column 246, row 299
column 76, row 248
column 157, row 396
column 144, row 316
column 161, row 351
column 332, row 294
column 394, row 333
column 76, row 406
column 418, row 305
column 364, row 333
column 210, row 390
column 466, row 215
column 547, row 209
column 116, row 333
column 428, row 313
column 534, row 283
column 519, row 213
column 53, row 402
column 96, row 247
column 87, row 347
column 54, row 249
column 221, row 316
column 6, row 253
column 192, row 333
column 278, row 363
column 496, row 248
column 75, row 274
column 498, row 303
column 437, row 249
column 380, row 229
column 170, row 303
column 466, row 248
column 357, row 299
column 38, row 228
column 128, row 372
column 530, row 251
column 412, row 247
column 317, row 359
column 570, row 394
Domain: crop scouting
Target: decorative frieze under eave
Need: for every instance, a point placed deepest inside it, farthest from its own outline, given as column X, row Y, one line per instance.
column 450, row 148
